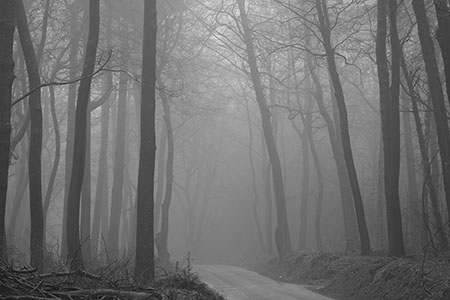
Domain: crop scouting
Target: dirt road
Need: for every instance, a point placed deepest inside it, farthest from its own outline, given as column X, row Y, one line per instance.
column 239, row 284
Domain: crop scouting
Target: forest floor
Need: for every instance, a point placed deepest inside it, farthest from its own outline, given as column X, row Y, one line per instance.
column 107, row 283
column 352, row 277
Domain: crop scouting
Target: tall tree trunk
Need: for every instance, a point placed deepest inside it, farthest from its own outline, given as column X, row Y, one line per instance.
column 51, row 181
column 348, row 210
column 343, row 118
column 162, row 236
column 282, row 236
column 426, row 164
column 253, row 172
column 160, row 171
column 7, row 26
column 35, row 149
column 101, row 192
column 85, row 219
column 71, row 97
column 437, row 94
column 117, row 192
column 390, row 123
column 145, row 261
column 21, row 184
column 79, row 154
column 308, row 125
column 443, row 38
column 304, row 188
column 267, row 170
column 413, row 193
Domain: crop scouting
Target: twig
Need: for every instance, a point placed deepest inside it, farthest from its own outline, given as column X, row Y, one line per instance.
column 102, row 67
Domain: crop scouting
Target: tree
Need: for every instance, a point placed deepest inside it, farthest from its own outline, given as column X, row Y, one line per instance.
column 338, row 93
column 75, row 35
column 282, row 236
column 117, row 192
column 390, row 122
column 144, row 261
column 35, row 149
column 79, row 151
column 437, row 94
column 7, row 27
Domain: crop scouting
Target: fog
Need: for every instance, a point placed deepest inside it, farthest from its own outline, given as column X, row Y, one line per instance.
column 224, row 205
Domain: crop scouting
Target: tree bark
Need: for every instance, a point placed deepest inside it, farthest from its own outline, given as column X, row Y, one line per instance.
column 348, row 210
column 426, row 164
column 71, row 97
column 7, row 26
column 282, row 236
column 413, row 193
column 144, row 260
column 101, row 192
column 35, row 149
column 436, row 91
column 390, row 123
column 443, row 38
column 343, row 118
column 79, row 150
column 254, row 186
column 117, row 192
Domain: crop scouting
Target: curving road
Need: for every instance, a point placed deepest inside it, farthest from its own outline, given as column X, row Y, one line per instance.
column 239, row 284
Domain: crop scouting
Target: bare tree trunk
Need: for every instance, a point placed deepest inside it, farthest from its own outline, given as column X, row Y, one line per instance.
column 426, row 163
column 162, row 236
column 413, row 193
column 51, row 182
column 443, row 38
column 117, row 192
column 348, row 210
column 304, row 187
column 267, row 170
column 35, row 149
column 71, row 96
column 252, row 169
column 101, row 192
column 390, row 123
column 307, row 123
column 160, row 171
column 435, row 86
column 144, row 262
column 85, row 225
column 79, row 152
column 7, row 26
column 282, row 236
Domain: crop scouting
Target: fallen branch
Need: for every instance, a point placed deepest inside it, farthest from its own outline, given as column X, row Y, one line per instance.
column 111, row 292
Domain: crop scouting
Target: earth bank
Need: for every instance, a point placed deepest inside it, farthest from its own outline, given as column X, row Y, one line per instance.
column 352, row 277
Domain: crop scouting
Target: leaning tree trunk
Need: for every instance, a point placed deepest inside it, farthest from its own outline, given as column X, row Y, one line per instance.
column 144, row 261
column 79, row 149
column 426, row 165
column 346, row 145
column 443, row 37
column 7, row 26
column 282, row 236
column 35, row 149
column 348, row 211
column 436, row 91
